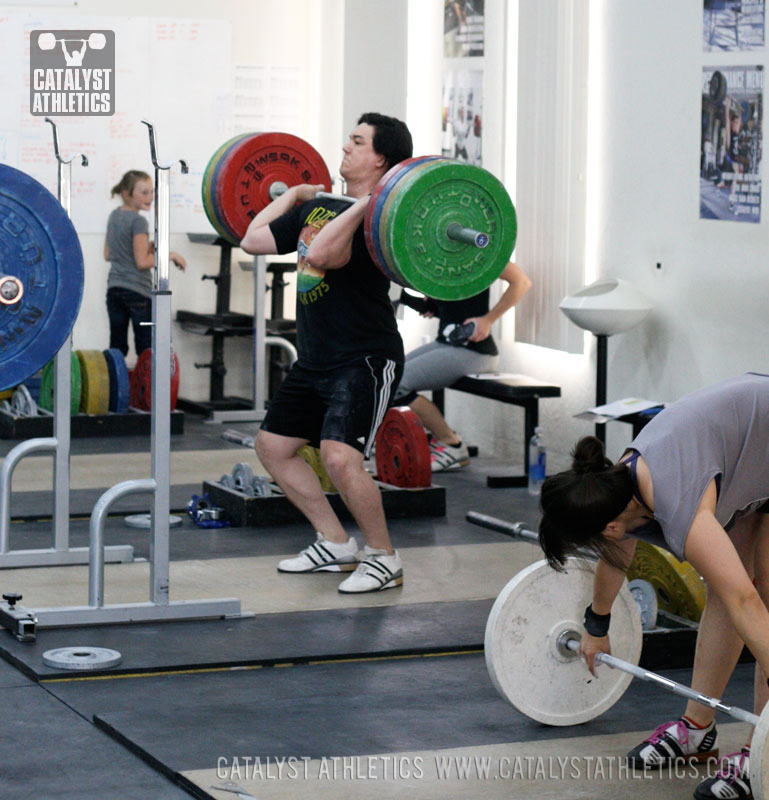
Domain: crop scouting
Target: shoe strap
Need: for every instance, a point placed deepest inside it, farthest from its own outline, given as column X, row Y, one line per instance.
column 733, row 766
column 663, row 731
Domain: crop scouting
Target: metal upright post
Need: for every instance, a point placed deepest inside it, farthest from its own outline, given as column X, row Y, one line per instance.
column 62, row 382
column 601, row 358
column 162, row 361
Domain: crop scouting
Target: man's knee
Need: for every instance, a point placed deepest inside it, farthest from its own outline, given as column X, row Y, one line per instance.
column 271, row 448
column 340, row 460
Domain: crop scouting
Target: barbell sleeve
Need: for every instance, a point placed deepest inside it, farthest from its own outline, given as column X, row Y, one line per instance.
column 459, row 233
column 11, row 290
column 571, row 642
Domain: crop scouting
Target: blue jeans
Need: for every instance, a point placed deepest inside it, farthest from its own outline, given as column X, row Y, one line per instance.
column 124, row 305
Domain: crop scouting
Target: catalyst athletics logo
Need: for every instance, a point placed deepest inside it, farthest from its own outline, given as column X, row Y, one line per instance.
column 72, row 73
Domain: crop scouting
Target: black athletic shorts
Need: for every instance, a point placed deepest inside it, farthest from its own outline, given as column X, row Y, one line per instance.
column 345, row 404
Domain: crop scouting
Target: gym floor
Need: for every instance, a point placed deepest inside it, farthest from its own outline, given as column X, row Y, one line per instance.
column 312, row 694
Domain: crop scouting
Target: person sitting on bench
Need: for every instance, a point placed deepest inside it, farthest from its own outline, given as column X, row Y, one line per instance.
column 464, row 346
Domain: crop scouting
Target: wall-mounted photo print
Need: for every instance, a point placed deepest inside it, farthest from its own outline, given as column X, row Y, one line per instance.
column 462, row 28
column 730, row 150
column 462, row 121
column 733, row 24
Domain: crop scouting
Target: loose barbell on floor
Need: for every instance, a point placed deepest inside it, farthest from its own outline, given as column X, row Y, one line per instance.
column 442, row 227
column 531, row 648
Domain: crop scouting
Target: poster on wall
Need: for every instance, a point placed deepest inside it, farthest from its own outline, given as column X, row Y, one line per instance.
column 733, row 24
column 462, row 28
column 730, row 150
column 461, row 124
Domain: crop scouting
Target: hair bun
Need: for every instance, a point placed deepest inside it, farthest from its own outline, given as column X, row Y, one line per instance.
column 589, row 456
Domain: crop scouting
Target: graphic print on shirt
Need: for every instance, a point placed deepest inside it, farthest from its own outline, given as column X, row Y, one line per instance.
column 310, row 285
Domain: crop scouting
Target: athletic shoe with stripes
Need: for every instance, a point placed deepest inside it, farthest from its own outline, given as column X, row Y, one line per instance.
column 377, row 571
column 449, row 456
column 674, row 741
column 323, row 556
column 731, row 782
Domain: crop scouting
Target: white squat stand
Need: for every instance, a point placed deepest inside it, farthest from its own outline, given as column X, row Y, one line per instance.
column 159, row 607
column 61, row 553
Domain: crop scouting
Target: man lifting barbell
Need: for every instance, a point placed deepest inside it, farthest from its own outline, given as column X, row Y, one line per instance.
column 695, row 481
column 350, row 359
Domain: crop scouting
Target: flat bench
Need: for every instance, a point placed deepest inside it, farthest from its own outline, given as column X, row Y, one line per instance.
column 517, row 390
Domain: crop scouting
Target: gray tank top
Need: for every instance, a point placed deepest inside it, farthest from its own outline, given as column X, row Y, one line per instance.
column 722, row 433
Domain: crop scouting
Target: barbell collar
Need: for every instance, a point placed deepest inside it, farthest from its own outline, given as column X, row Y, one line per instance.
column 11, row 290
column 569, row 641
column 459, row 233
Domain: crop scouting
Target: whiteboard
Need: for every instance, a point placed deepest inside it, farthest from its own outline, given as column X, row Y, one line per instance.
column 175, row 73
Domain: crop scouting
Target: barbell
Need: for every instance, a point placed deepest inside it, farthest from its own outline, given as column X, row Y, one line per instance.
column 531, row 647
column 442, row 227
column 47, row 41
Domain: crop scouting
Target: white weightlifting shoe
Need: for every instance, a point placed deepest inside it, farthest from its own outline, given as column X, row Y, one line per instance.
column 323, row 556
column 445, row 457
column 377, row 571
column 673, row 741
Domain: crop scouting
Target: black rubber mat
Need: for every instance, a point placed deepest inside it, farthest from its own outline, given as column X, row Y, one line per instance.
column 50, row 751
column 266, row 639
column 10, row 676
column 340, row 709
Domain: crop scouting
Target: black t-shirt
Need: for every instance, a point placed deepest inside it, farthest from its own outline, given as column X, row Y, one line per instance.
column 341, row 314
column 457, row 311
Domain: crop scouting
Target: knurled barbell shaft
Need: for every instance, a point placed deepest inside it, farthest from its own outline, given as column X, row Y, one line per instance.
column 571, row 642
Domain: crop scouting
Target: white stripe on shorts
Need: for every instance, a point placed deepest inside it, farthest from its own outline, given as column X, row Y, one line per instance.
column 381, row 399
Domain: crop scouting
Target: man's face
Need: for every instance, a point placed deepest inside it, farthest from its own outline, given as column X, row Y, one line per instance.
column 360, row 161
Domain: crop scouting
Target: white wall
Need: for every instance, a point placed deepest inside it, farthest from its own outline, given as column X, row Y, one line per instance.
column 375, row 57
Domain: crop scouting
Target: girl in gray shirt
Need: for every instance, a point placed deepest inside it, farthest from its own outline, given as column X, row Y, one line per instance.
column 696, row 482
column 132, row 256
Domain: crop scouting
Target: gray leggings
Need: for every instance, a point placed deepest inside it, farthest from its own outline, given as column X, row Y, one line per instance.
column 437, row 365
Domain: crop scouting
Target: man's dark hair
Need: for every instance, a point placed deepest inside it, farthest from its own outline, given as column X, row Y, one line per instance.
column 392, row 138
